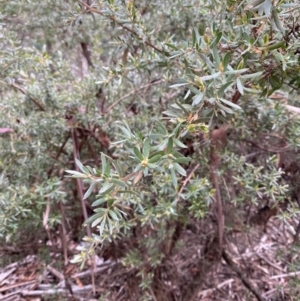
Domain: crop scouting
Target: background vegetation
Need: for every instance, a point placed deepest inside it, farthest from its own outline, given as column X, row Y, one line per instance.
column 180, row 117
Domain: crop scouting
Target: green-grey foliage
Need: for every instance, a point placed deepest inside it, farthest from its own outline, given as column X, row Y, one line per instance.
column 152, row 79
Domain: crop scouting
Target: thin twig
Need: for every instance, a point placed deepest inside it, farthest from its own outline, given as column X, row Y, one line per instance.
column 292, row 274
column 78, row 181
column 93, row 153
column 46, row 218
column 185, row 182
column 80, row 191
column 218, row 142
column 211, row 290
column 98, row 270
column 241, row 275
column 269, row 262
column 58, row 154
column 271, row 150
column 12, row 286
column 63, row 232
column 55, row 291
column 221, row 220
column 293, row 109
column 31, row 98
column 113, row 18
column 132, row 93
column 55, row 272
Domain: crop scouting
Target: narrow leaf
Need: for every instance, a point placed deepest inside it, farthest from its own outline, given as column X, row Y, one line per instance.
column 170, row 145
column 103, row 162
column 89, row 191
column 209, row 77
column 226, row 60
column 107, row 170
column 183, row 160
column 229, row 111
column 253, row 91
column 240, row 71
column 240, row 86
column 197, row 99
column 102, row 224
column 223, row 88
column 179, row 143
column 277, row 21
column 231, row 104
column 187, row 94
column 79, row 164
column 118, row 182
column 254, row 4
column 93, row 218
column 113, row 215
column 138, row 153
column 216, row 55
column 216, row 39
column 125, row 131
column 155, row 159
column 180, row 169
column 161, row 128
column 252, row 75
column 170, row 114
column 76, row 174
column 107, row 188
column 267, row 6
column 178, row 85
column 99, row 202
column 146, row 148
column 174, row 178
column 182, row 108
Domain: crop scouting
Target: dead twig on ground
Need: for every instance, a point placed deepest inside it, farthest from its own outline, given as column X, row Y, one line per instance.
column 55, row 272
column 242, row 276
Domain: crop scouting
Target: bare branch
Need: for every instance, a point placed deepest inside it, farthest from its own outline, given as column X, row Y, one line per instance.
column 113, row 18
column 31, row 98
column 132, row 93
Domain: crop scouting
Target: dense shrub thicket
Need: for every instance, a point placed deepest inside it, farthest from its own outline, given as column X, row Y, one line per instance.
column 173, row 113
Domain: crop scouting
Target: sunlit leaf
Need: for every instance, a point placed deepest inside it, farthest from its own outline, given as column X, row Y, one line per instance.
column 231, row 104
column 209, row 77
column 76, row 174
column 197, row 98
column 179, row 85
column 226, row 109
column 240, row 86
column 252, row 75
